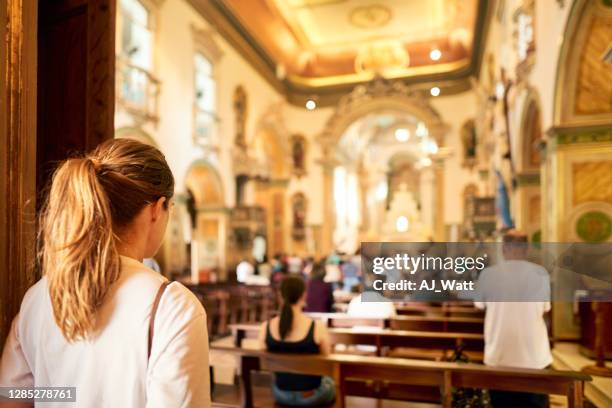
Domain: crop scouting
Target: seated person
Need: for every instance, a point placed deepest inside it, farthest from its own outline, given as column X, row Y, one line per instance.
column 374, row 306
column 294, row 332
column 516, row 296
column 319, row 294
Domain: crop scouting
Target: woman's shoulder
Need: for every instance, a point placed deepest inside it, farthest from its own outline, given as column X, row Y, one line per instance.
column 36, row 294
column 180, row 300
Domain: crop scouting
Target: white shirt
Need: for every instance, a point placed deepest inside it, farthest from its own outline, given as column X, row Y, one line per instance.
column 244, row 270
column 515, row 331
column 382, row 309
column 111, row 369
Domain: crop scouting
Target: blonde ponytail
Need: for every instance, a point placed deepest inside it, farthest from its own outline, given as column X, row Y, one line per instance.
column 90, row 198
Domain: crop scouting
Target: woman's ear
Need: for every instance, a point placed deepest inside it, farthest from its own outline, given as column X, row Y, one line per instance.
column 158, row 208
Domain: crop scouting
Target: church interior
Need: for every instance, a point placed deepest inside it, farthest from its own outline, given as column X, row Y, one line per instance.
column 297, row 130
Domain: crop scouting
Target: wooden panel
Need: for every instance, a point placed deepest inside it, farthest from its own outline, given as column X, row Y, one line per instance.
column 594, row 82
column 592, row 181
column 76, row 70
column 17, row 154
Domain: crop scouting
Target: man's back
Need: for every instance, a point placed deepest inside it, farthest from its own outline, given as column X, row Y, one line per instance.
column 516, row 296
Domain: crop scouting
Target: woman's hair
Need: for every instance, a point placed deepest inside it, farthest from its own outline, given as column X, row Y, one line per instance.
column 291, row 289
column 318, row 270
column 91, row 199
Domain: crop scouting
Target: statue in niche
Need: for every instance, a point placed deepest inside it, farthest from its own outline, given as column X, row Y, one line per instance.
column 298, row 205
column 240, row 112
column 298, row 155
column 469, row 141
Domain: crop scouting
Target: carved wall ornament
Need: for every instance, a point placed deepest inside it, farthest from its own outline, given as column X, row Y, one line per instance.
column 524, row 38
column 298, row 206
column 380, row 94
column 371, row 16
column 240, row 113
column 469, row 142
column 594, row 226
column 298, row 154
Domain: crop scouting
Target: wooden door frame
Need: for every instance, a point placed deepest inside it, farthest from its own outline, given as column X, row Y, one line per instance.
column 18, row 51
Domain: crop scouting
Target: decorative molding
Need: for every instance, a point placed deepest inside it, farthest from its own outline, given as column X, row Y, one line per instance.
column 581, row 134
column 379, row 94
column 527, row 179
column 205, row 43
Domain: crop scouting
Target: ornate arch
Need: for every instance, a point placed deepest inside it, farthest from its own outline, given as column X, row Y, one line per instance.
column 381, row 95
column 204, row 182
column 584, row 80
column 135, row 133
column 268, row 150
column 531, row 133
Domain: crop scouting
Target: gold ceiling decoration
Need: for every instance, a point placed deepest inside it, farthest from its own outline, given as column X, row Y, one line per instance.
column 382, row 56
column 321, row 46
column 373, row 16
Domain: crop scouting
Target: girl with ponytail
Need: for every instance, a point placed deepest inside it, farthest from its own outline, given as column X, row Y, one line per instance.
column 294, row 332
column 99, row 320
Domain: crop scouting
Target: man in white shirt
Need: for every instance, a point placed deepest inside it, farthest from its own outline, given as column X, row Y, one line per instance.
column 516, row 295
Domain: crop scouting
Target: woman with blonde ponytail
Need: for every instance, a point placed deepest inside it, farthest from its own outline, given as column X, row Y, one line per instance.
column 99, row 320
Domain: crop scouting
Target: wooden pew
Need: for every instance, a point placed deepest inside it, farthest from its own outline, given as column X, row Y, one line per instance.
column 408, row 380
column 385, row 339
column 446, row 310
column 410, row 323
column 230, row 303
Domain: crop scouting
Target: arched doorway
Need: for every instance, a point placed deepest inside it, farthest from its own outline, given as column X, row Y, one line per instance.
column 209, row 216
column 577, row 171
column 529, row 159
column 270, row 161
column 382, row 110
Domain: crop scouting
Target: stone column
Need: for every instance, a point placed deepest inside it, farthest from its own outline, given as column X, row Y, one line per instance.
column 328, row 165
column 439, row 225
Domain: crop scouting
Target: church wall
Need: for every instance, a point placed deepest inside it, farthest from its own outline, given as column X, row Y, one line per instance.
column 310, row 124
column 455, row 111
column 174, row 51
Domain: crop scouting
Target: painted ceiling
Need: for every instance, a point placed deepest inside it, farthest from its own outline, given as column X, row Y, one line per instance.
column 318, row 44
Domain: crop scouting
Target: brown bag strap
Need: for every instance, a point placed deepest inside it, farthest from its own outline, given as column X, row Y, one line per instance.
column 158, row 296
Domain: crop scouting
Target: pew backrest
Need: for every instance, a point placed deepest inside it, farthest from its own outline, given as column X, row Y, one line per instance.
column 384, row 371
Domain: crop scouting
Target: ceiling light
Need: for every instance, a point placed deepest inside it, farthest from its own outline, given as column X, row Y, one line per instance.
column 435, row 91
column 402, row 134
column 435, row 54
column 421, row 130
column 402, row 224
column 431, row 147
column 311, row 104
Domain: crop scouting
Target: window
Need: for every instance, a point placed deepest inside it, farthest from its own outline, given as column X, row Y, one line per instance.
column 137, row 88
column 136, row 37
column 205, row 118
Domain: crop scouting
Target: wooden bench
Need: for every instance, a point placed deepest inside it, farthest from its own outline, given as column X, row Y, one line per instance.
column 410, row 323
column 446, row 310
column 385, row 340
column 229, row 303
column 407, row 380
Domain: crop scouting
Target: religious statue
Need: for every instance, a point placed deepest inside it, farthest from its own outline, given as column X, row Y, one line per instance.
column 298, row 205
column 240, row 111
column 298, row 153
column 468, row 139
